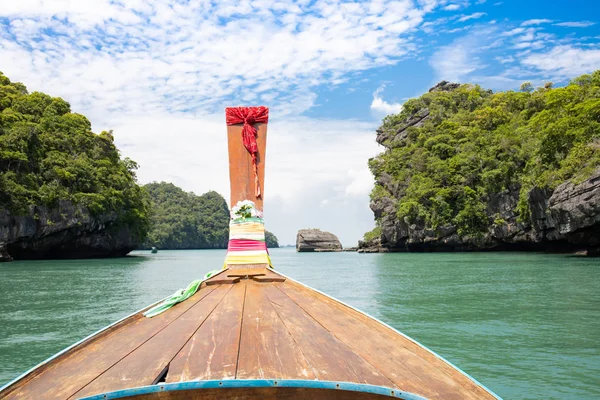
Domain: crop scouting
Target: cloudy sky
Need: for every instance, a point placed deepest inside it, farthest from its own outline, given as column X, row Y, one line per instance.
column 160, row 73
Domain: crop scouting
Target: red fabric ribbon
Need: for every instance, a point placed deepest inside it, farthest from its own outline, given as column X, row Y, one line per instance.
column 249, row 116
column 245, row 244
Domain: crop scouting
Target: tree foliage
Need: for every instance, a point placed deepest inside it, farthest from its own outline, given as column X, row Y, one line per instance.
column 48, row 153
column 181, row 220
column 271, row 240
column 476, row 143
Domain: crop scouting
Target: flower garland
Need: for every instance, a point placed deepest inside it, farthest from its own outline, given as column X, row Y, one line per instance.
column 247, row 243
column 245, row 209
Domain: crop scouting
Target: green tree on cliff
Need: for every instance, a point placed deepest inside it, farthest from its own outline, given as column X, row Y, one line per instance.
column 477, row 143
column 183, row 220
column 271, row 240
column 48, row 153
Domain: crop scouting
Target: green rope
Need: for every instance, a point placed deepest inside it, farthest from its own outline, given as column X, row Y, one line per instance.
column 179, row 296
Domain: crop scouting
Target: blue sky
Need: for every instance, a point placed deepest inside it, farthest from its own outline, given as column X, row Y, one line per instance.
column 159, row 73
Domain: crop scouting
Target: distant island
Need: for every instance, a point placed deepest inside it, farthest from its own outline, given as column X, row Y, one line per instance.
column 469, row 169
column 66, row 193
column 183, row 220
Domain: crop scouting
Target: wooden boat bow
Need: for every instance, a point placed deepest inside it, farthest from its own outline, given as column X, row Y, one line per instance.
column 249, row 332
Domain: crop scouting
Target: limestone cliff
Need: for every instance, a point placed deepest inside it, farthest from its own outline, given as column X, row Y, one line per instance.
column 65, row 191
column 564, row 219
column 466, row 169
column 65, row 231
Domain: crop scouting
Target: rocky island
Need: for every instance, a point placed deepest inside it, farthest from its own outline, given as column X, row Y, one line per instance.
column 467, row 169
column 308, row 240
column 184, row 220
column 64, row 190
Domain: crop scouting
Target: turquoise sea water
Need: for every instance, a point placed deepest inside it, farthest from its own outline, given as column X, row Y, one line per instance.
column 525, row 325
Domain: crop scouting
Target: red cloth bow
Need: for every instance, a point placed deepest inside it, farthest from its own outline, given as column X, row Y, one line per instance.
column 249, row 116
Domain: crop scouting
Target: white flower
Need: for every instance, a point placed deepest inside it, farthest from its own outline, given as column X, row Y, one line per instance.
column 245, row 209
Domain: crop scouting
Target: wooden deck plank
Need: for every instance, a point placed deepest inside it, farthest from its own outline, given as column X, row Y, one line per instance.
column 245, row 269
column 221, row 280
column 269, row 276
column 77, row 368
column 408, row 365
column 258, row 274
column 267, row 349
column 144, row 365
column 330, row 358
column 212, row 351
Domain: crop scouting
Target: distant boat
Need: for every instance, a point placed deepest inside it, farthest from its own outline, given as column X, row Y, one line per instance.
column 154, row 250
column 248, row 331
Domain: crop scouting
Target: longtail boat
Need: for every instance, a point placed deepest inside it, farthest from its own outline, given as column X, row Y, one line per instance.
column 247, row 331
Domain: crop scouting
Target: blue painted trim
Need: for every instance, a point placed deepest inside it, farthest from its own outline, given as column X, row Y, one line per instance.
column 256, row 383
column 398, row 332
column 46, row 361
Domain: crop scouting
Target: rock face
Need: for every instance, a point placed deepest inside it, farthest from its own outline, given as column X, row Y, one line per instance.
column 417, row 120
column 66, row 231
column 566, row 219
column 316, row 240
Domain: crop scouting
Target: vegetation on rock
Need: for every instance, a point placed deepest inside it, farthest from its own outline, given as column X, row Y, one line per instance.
column 271, row 240
column 182, row 220
column 475, row 143
column 48, row 153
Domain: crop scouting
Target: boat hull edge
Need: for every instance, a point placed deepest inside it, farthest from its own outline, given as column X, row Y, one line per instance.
column 258, row 388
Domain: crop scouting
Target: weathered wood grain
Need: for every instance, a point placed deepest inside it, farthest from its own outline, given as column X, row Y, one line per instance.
column 329, row 357
column 241, row 170
column 222, row 279
column 259, row 274
column 250, row 330
column 267, row 349
column 142, row 366
column 212, row 351
column 77, row 368
column 269, row 276
column 407, row 364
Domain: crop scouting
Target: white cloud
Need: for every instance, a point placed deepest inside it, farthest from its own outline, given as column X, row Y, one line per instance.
column 505, row 60
column 515, row 31
column 576, row 24
column 452, row 7
column 381, row 106
column 313, row 167
column 530, row 22
column 565, row 61
column 481, row 57
column 476, row 15
column 160, row 74
column 461, row 58
column 188, row 58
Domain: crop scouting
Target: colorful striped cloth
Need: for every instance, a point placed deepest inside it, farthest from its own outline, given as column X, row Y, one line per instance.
column 247, row 242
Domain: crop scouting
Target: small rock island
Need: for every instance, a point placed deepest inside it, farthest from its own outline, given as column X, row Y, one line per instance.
column 316, row 240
